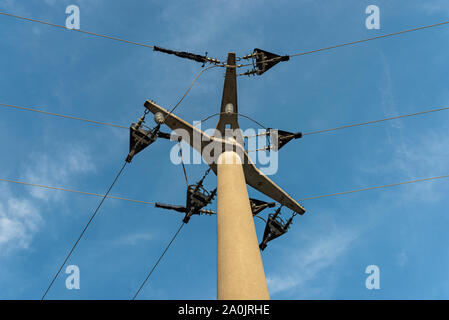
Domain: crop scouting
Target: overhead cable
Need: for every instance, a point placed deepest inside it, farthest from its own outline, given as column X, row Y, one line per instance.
column 84, row 230
column 152, row 203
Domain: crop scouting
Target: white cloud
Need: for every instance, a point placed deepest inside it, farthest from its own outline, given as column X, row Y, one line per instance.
column 50, row 2
column 414, row 156
column 21, row 217
column 9, row 4
column 407, row 154
column 14, row 7
column 56, row 170
column 304, row 263
column 133, row 239
column 19, row 220
column 425, row 156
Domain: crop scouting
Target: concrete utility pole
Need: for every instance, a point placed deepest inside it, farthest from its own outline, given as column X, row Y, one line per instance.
column 240, row 273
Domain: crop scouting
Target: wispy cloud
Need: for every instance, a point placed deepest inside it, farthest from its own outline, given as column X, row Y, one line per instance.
column 134, row 239
column 21, row 216
column 56, row 170
column 50, row 2
column 14, row 7
column 9, row 4
column 213, row 22
column 303, row 265
column 436, row 6
column 415, row 157
column 19, row 219
column 425, row 157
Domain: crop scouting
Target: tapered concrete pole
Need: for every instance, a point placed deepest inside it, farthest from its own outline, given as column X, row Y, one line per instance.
column 240, row 273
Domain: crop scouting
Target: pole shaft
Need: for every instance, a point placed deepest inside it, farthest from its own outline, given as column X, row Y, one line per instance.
column 240, row 273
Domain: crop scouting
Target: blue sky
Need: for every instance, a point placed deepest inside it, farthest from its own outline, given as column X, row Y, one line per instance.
column 324, row 256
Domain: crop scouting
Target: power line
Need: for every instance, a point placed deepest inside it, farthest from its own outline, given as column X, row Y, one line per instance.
column 78, row 30
column 156, row 129
column 369, row 39
column 106, row 195
column 155, row 48
column 95, row 122
column 157, row 262
column 107, row 123
column 62, row 115
column 375, row 187
column 359, row 124
column 188, row 90
column 33, row 109
column 239, row 114
column 84, row 230
column 375, row 121
column 240, row 65
column 72, row 191
column 350, row 43
column 182, row 162
column 151, row 203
